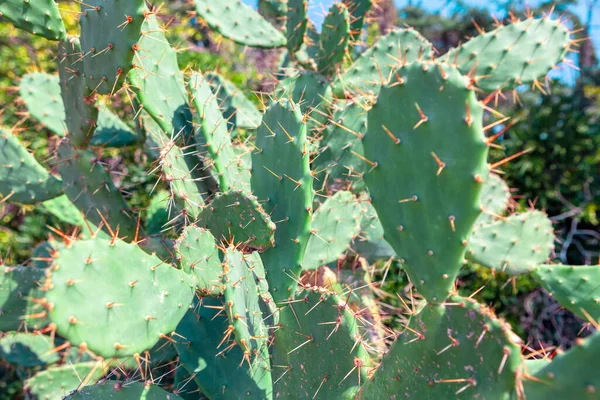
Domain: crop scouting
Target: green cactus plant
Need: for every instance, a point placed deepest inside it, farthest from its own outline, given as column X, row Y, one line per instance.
column 228, row 283
column 40, row 18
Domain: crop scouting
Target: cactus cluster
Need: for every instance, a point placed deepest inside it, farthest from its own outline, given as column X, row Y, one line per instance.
column 366, row 155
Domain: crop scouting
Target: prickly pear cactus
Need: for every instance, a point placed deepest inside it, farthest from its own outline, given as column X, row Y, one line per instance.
column 431, row 254
column 248, row 273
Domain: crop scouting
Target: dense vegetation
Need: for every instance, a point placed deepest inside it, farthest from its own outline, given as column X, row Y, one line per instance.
column 265, row 119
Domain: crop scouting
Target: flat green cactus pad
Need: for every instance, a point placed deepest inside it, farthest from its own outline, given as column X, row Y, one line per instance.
column 98, row 302
column 43, row 254
column 428, row 212
column 27, row 349
column 281, row 177
column 313, row 92
column 574, row 287
column 18, row 285
column 334, row 39
column 160, row 354
column 110, row 31
column 56, row 383
column 197, row 253
column 317, row 350
column 359, row 9
column 515, row 54
column 240, row 23
column 91, row 189
column 238, row 111
column 184, row 385
column 79, row 112
column 273, row 9
column 334, row 225
column 65, row 210
column 42, row 96
column 112, row 131
column 204, row 356
column 514, row 245
column 235, row 217
column 178, row 173
column 242, row 304
column 570, row 375
column 159, row 85
column 337, row 163
column 119, row 390
column 308, row 51
column 370, row 242
column 22, row 178
column 495, row 197
column 213, row 135
column 373, row 68
column 47, row 96
column 157, row 213
column 454, row 351
column 296, row 22
column 40, row 17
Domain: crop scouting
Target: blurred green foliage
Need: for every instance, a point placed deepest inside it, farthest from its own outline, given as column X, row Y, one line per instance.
column 563, row 131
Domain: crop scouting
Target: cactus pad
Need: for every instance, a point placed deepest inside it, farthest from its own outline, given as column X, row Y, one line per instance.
column 495, row 197
column 62, row 208
column 242, row 304
column 42, row 256
column 56, row 383
column 337, row 163
column 574, row 287
column 27, row 349
column 240, row 23
column 180, row 170
column 91, row 189
column 110, row 31
column 118, row 390
column 97, row 302
column 238, row 111
column 312, row 92
column 235, row 217
column 519, row 53
column 22, row 178
column 359, row 10
column 373, row 68
column 41, row 93
column 281, row 177
column 334, row 225
column 159, row 84
column 40, row 17
column 18, row 285
column 428, row 213
column 570, row 375
column 111, row 131
column 184, row 385
column 458, row 350
column 157, row 213
column 79, row 113
column 214, row 135
column 317, row 349
column 198, row 255
column 203, row 355
column 370, row 242
column 296, row 22
column 183, row 181
column 334, row 39
column 514, row 245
